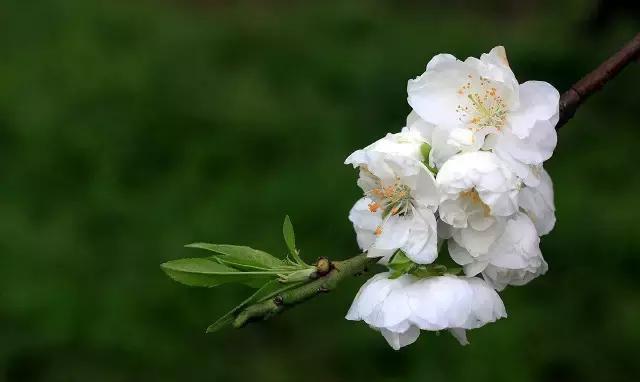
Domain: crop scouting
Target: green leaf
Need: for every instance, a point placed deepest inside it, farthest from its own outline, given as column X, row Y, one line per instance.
column 394, row 274
column 290, row 239
column 228, row 317
column 429, row 270
column 425, row 150
column 204, row 272
column 241, row 256
column 244, row 267
column 223, row 321
column 300, row 275
column 400, row 264
column 268, row 290
column 289, row 235
column 399, row 258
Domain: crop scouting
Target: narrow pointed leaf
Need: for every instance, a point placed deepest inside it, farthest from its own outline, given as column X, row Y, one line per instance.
column 203, row 272
column 225, row 260
column 242, row 255
column 268, row 290
column 290, row 239
column 289, row 235
column 228, row 317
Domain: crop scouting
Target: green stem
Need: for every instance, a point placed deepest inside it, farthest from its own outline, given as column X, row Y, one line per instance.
column 268, row 308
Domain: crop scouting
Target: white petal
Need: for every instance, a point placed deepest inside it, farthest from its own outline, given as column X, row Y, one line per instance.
column 460, row 255
column 433, row 95
column 478, row 242
column 369, row 297
column 395, row 233
column 415, row 124
column 454, row 302
column 422, row 243
column 460, row 335
column 497, row 56
column 538, row 203
column 441, row 148
column 399, row 340
column 453, row 212
column 424, row 187
column 515, row 257
column 364, row 222
column 534, row 149
column 539, row 101
column 474, row 268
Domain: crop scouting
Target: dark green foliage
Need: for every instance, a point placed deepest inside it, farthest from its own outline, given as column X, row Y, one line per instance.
column 128, row 128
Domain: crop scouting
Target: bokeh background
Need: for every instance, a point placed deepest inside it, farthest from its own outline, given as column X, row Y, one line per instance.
column 129, row 128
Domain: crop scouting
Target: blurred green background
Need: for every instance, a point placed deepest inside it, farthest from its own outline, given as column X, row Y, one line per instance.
column 129, row 128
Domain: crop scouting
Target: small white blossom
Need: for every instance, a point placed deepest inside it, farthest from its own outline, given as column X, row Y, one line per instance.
column 513, row 259
column 414, row 232
column 400, row 308
column 401, row 196
column 481, row 106
column 477, row 193
column 476, row 186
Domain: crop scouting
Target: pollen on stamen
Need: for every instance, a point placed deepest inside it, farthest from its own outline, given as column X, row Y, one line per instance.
column 378, row 231
column 378, row 192
column 373, row 206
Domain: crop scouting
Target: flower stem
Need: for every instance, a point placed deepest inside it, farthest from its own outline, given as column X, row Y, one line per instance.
column 323, row 284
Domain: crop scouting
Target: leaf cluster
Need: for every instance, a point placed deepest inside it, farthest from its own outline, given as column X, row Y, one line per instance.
column 258, row 269
column 400, row 264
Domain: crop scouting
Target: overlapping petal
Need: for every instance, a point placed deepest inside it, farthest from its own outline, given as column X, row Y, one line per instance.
column 486, row 137
column 400, row 307
column 477, row 104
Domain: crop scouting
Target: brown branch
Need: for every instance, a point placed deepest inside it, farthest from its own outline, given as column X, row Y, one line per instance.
column 569, row 103
column 594, row 81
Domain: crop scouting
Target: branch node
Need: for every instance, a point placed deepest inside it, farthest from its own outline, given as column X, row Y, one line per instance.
column 323, row 266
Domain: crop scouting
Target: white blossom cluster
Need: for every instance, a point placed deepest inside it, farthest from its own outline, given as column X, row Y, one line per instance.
column 463, row 177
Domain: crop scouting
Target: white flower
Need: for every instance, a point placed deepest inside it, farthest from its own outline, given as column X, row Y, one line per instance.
column 514, row 258
column 538, row 203
column 477, row 193
column 400, row 308
column 480, row 98
column 401, row 196
column 414, row 232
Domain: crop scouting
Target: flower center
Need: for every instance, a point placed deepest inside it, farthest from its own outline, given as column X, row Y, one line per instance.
column 484, row 108
column 394, row 199
column 473, row 197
